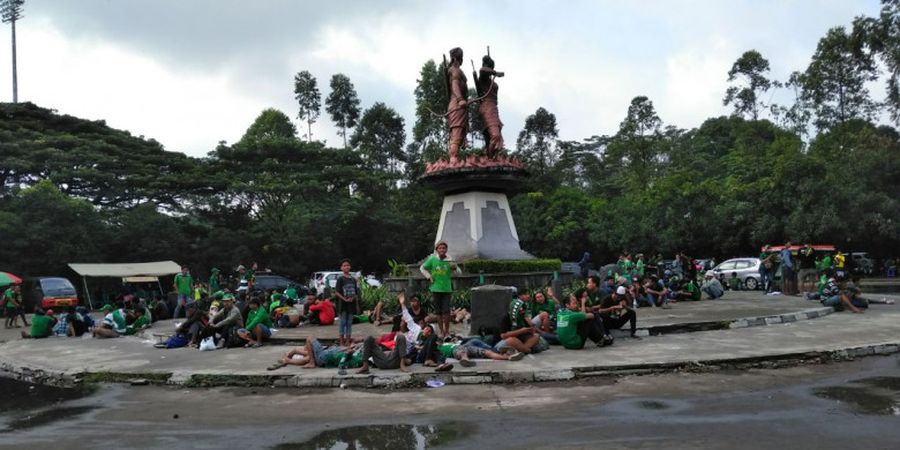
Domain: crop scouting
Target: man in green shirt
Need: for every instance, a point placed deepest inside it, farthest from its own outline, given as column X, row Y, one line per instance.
column 575, row 325
column 141, row 322
column 258, row 326
column 41, row 324
column 543, row 312
column 214, row 282
column 436, row 269
column 183, row 285
column 465, row 353
column 13, row 301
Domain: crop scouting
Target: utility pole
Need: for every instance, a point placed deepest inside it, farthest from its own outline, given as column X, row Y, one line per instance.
column 11, row 11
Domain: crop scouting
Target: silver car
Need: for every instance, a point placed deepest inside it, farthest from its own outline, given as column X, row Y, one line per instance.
column 747, row 270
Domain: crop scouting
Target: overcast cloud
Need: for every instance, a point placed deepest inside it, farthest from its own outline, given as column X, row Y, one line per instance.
column 190, row 73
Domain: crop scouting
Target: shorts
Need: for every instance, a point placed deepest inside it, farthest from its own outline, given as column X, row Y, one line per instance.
column 442, row 302
column 469, row 351
column 266, row 331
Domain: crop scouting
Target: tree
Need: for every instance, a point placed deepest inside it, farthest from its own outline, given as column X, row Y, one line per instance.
column 10, row 12
column 834, row 84
column 751, row 67
column 307, row 94
column 343, row 104
column 537, row 141
column 380, row 137
column 632, row 152
column 270, row 124
column 430, row 130
column 881, row 37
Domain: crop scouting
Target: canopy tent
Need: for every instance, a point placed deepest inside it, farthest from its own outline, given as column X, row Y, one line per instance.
column 124, row 270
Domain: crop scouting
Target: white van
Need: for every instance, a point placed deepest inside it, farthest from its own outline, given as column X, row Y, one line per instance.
column 321, row 280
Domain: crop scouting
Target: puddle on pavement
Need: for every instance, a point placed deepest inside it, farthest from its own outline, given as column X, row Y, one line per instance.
column 653, row 404
column 861, row 399
column 394, row 437
column 25, row 405
column 890, row 383
column 45, row 417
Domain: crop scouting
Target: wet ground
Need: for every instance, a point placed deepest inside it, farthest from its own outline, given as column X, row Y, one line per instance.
column 841, row 405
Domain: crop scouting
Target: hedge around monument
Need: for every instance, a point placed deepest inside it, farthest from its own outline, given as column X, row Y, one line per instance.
column 476, row 266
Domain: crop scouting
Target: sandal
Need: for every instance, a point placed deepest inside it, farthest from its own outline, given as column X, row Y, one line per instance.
column 277, row 365
column 446, row 367
column 467, row 363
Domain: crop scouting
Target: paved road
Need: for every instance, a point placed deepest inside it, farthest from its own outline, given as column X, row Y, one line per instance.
column 840, row 406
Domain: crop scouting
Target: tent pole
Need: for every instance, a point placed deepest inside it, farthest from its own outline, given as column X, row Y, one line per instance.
column 87, row 293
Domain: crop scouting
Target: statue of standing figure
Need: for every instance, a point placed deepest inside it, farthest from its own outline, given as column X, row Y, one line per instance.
column 457, row 112
column 490, row 116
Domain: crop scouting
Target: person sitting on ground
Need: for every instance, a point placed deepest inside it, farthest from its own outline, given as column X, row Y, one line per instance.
column 88, row 319
column 711, row 286
column 403, row 344
column 615, row 312
column 76, row 325
column 656, row 292
column 141, row 322
column 734, row 283
column 516, row 333
column 113, row 324
column 834, row 297
column 854, row 293
column 543, row 312
column 575, row 325
column 609, row 285
column 691, row 291
column 225, row 323
column 258, row 327
column 62, row 328
column 427, row 352
column 41, row 324
column 290, row 314
column 638, row 293
column 321, row 312
column 196, row 321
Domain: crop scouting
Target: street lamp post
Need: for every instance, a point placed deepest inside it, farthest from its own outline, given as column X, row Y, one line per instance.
column 11, row 11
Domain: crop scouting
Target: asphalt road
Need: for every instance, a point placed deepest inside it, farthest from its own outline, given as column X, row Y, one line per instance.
column 841, row 405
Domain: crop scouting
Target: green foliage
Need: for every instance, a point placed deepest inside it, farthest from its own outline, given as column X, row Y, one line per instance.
column 306, row 92
column 751, row 67
column 270, row 124
column 371, row 295
column 379, row 138
column 342, row 104
column 536, row 144
column 475, row 266
column 461, row 298
column 398, row 269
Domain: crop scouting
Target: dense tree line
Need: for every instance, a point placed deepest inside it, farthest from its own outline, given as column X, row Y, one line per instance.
column 824, row 168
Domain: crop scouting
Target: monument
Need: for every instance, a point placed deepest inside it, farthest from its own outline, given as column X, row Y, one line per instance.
column 476, row 220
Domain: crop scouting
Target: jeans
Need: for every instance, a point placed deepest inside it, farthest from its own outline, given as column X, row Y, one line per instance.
column 713, row 292
column 180, row 303
column 475, row 342
column 346, row 326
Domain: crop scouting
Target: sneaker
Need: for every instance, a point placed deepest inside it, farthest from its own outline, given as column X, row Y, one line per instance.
column 517, row 356
column 608, row 339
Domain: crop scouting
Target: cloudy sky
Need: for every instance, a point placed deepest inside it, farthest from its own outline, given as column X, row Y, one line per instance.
column 190, row 73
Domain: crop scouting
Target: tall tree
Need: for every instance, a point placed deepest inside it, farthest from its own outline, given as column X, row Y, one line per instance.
column 633, row 150
column 430, row 130
column 537, row 141
column 343, row 104
column 270, row 124
column 379, row 138
column 881, row 36
column 751, row 68
column 307, row 94
column 10, row 12
column 834, row 84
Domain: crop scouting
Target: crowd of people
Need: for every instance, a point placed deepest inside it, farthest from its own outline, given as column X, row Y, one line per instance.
column 222, row 313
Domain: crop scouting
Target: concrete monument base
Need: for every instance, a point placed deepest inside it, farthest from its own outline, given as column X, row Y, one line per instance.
column 479, row 225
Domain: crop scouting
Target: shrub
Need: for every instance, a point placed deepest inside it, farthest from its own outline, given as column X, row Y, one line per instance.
column 511, row 266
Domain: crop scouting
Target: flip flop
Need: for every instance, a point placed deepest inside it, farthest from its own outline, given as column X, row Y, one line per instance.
column 466, row 363
column 276, row 366
column 446, row 367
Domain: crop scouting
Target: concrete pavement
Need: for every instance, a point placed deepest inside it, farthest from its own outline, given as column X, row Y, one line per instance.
column 773, row 341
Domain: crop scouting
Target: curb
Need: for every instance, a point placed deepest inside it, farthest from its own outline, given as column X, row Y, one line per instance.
column 394, row 380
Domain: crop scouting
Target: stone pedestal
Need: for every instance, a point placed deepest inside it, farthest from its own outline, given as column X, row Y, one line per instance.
column 476, row 221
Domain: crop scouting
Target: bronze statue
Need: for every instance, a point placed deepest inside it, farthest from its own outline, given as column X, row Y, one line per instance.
column 487, row 92
column 457, row 113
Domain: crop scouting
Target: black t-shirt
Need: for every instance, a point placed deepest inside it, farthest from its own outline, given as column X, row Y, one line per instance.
column 350, row 290
column 420, row 316
column 610, row 302
column 806, row 258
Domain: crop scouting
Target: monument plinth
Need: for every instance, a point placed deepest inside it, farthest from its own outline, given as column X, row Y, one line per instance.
column 476, row 220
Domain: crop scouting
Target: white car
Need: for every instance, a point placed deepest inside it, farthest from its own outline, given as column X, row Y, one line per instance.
column 321, row 280
column 747, row 270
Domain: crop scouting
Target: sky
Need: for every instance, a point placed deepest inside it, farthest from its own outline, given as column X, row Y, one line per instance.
column 191, row 73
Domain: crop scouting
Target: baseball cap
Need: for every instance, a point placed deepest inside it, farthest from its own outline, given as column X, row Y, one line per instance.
column 106, row 308
column 228, row 298
column 620, row 290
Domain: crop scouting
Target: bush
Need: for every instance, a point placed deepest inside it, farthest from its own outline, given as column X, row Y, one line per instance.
column 511, row 266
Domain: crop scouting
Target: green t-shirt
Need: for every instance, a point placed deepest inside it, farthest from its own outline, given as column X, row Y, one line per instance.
column 447, row 349
column 41, row 326
column 826, row 262
column 351, row 361
column 214, row 283
column 9, row 295
column 694, row 290
column 516, row 317
column 440, row 274
column 260, row 316
column 734, row 283
column 567, row 328
column 823, row 280
column 640, row 268
column 183, row 284
column 139, row 323
column 548, row 306
column 291, row 293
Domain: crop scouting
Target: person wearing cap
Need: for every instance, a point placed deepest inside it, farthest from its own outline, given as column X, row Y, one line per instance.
column 41, row 324
column 615, row 311
column 258, row 326
column 436, row 269
column 226, row 322
column 113, row 324
column 711, row 286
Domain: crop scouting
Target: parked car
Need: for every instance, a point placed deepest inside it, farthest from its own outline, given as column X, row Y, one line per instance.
column 327, row 280
column 48, row 292
column 266, row 282
column 862, row 263
column 747, row 271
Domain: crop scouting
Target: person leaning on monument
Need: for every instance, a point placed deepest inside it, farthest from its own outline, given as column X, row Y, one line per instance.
column 436, row 269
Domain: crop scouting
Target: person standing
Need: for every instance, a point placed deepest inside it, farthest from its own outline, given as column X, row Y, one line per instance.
column 215, row 283
column 347, row 291
column 183, row 284
column 765, row 268
column 806, row 265
column 787, row 270
column 436, row 269
column 13, row 299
